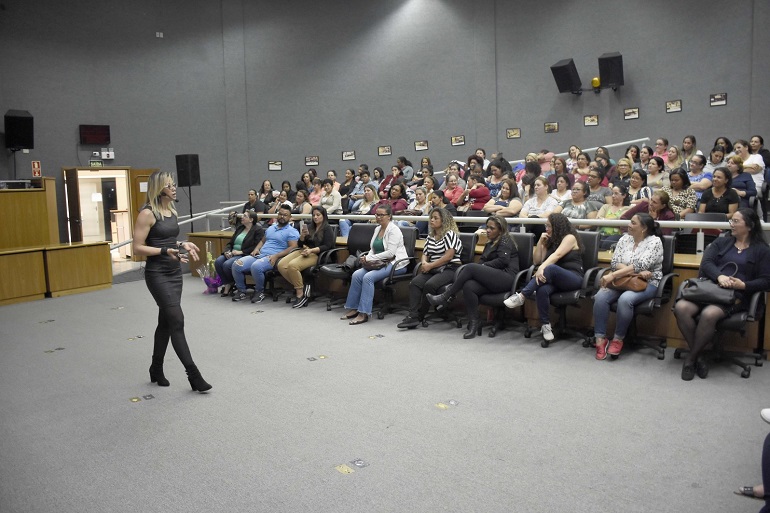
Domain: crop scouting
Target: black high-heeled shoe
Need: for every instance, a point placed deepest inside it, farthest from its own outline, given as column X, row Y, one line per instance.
column 474, row 328
column 197, row 382
column 156, row 375
column 440, row 301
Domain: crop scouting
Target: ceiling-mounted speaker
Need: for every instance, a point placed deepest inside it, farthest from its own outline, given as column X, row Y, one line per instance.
column 611, row 70
column 566, row 76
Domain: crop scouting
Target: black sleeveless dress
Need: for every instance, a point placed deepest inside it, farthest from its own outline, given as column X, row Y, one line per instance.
column 163, row 274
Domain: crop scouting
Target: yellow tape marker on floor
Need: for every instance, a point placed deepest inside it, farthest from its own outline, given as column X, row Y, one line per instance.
column 344, row 469
column 442, row 406
column 134, row 399
column 321, row 357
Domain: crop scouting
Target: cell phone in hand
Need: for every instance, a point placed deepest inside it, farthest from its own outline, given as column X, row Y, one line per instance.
column 302, row 226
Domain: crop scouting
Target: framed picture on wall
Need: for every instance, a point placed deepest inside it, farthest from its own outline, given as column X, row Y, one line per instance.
column 312, row 161
column 512, row 133
column 458, row 140
column 717, row 100
column 274, row 165
column 551, row 127
column 591, row 120
column 420, row 145
column 673, row 106
column 383, row 151
column 631, row 113
column 348, row 155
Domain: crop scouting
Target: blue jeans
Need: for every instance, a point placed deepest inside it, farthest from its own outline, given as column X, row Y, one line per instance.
column 625, row 310
column 557, row 279
column 240, row 269
column 258, row 269
column 345, row 225
column 224, row 267
column 361, row 292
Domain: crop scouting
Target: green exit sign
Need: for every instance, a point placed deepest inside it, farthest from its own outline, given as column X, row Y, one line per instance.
column 96, row 163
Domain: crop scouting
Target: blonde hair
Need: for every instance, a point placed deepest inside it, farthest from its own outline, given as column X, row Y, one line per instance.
column 155, row 185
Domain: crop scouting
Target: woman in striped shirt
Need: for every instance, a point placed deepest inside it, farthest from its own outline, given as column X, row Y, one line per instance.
column 440, row 260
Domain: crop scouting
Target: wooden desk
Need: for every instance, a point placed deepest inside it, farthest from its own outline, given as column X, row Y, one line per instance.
column 22, row 275
column 72, row 268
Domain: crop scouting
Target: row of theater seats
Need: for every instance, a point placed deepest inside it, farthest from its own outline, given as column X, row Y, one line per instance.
column 361, row 234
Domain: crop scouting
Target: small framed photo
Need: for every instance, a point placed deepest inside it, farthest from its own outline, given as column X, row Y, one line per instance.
column 274, row 165
column 312, row 160
column 717, row 100
column 673, row 106
column 348, row 155
column 420, row 145
column 591, row 120
column 551, row 127
column 631, row 113
column 384, row 151
column 458, row 140
column 513, row 133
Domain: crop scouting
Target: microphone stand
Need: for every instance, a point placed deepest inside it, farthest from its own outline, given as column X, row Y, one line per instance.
column 189, row 196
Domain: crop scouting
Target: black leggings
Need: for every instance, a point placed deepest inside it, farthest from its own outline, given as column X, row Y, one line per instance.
column 476, row 280
column 171, row 325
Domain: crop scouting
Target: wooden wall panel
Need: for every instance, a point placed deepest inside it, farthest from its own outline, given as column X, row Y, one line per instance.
column 22, row 276
column 77, row 266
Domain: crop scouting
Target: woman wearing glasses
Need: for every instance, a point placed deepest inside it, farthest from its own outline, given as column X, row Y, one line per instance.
column 155, row 235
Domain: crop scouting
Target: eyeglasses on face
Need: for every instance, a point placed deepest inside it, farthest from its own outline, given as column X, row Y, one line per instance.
column 171, row 185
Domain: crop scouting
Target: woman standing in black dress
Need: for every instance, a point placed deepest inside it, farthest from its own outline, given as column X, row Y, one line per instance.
column 155, row 237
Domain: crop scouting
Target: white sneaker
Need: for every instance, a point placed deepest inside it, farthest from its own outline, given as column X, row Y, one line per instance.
column 765, row 414
column 547, row 332
column 514, row 301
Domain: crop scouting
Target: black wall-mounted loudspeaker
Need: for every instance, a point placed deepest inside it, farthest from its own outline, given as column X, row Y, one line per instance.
column 19, row 130
column 188, row 171
column 611, row 69
column 566, row 76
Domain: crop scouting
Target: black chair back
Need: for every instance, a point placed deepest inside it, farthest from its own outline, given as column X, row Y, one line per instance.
column 590, row 242
column 360, row 237
column 469, row 241
column 669, row 248
column 410, row 234
column 525, row 247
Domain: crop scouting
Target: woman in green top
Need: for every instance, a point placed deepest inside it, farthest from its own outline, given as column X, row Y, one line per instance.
column 243, row 242
column 613, row 211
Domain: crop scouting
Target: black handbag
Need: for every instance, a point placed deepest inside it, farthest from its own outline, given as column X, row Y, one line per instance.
column 705, row 291
column 352, row 262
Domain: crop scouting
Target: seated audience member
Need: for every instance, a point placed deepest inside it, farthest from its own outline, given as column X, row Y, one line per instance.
column 346, row 187
column 388, row 181
column 721, row 197
column 603, row 151
column 656, row 176
column 405, row 168
column 572, row 155
column 743, row 183
column 725, row 143
column 637, row 187
column 313, row 241
column 316, row 192
column 481, row 153
column 661, row 147
column 700, row 180
column 560, row 169
column 562, row 190
column 254, row 204
column 640, row 252
column 331, row 199
column 387, row 248
column 429, row 184
column 243, row 242
column 496, row 177
column 752, row 164
column 645, row 154
column 632, row 154
column 395, row 199
column 290, row 194
column 541, row 205
column 452, row 190
column 675, row 160
column 364, row 207
column 475, row 195
column 302, row 206
column 757, row 146
column 419, row 207
column 746, row 247
column 689, row 150
column 558, row 255
column 606, row 170
column 580, row 171
column 475, row 163
column 492, row 274
column 281, row 200
column 507, row 204
column 597, row 194
column 624, row 168
column 613, row 211
column 715, row 160
column 683, row 198
column 657, row 207
column 439, row 200
column 544, row 160
column 267, row 194
column 452, row 170
column 440, row 260
column 305, row 182
column 332, row 175
column 280, row 239
column 357, row 193
column 578, row 207
column 378, row 175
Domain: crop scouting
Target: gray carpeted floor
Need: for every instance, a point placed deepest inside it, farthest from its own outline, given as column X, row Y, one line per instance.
column 527, row 430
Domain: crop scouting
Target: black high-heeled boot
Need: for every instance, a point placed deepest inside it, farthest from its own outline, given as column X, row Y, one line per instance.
column 197, row 382
column 474, row 326
column 440, row 301
column 156, row 374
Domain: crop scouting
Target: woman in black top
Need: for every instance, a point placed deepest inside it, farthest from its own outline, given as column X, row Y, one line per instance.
column 720, row 197
column 558, row 255
column 494, row 273
column 155, row 235
column 747, row 249
column 313, row 241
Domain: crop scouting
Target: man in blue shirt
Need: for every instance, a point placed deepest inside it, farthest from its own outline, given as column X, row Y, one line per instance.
column 280, row 240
